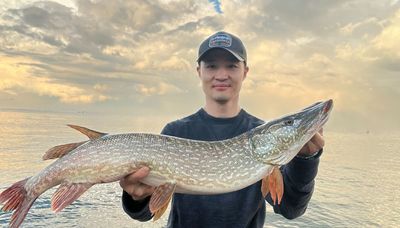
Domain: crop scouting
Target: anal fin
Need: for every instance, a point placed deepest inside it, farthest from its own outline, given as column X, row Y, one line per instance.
column 68, row 193
column 61, row 150
column 160, row 199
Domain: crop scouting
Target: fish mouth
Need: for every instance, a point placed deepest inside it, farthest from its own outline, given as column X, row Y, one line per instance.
column 328, row 106
column 311, row 106
column 321, row 112
column 326, row 109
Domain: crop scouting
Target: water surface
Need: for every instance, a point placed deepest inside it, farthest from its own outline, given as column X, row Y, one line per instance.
column 357, row 183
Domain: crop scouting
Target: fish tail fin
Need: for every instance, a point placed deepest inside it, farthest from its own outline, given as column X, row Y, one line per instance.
column 15, row 198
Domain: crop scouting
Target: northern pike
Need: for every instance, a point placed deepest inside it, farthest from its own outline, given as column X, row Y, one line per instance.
column 176, row 164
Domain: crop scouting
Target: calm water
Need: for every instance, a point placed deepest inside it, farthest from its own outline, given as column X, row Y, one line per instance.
column 357, row 185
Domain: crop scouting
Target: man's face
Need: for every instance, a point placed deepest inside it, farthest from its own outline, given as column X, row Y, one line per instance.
column 221, row 75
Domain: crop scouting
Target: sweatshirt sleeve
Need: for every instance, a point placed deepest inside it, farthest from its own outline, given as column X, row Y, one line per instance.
column 139, row 210
column 298, row 177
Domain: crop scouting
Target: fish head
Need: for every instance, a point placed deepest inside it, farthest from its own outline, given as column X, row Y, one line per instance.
column 278, row 141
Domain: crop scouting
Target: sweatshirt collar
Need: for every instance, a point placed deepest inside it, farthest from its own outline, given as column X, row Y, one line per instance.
column 207, row 117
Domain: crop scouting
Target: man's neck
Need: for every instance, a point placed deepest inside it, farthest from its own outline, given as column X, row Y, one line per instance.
column 226, row 110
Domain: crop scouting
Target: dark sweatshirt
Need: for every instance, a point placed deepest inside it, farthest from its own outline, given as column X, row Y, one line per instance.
column 243, row 208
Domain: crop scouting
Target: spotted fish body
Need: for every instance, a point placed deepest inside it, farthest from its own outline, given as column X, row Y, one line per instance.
column 176, row 164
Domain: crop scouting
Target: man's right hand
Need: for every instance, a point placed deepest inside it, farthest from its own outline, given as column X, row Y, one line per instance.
column 132, row 185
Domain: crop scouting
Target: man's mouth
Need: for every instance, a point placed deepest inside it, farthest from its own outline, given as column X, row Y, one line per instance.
column 221, row 86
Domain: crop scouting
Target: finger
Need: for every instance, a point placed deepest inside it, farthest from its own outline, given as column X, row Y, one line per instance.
column 307, row 148
column 142, row 191
column 321, row 131
column 318, row 140
column 312, row 148
column 127, row 188
column 138, row 175
column 137, row 190
column 304, row 149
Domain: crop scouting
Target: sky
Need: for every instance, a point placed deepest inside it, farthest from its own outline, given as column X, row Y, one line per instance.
column 139, row 57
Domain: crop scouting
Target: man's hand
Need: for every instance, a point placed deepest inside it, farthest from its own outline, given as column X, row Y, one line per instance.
column 314, row 145
column 132, row 185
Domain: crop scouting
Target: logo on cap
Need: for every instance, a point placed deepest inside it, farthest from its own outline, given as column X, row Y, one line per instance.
column 220, row 40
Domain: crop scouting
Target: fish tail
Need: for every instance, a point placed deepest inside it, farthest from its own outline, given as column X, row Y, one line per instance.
column 15, row 198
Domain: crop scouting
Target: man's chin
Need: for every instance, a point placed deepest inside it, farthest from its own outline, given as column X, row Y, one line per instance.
column 221, row 99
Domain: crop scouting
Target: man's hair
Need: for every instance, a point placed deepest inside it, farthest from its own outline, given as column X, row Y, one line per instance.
column 208, row 58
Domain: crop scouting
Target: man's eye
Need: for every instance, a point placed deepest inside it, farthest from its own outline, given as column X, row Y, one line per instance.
column 211, row 66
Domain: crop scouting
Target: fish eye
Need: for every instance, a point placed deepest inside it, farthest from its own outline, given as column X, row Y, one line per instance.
column 288, row 122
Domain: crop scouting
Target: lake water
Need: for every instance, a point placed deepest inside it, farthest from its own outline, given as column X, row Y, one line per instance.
column 357, row 183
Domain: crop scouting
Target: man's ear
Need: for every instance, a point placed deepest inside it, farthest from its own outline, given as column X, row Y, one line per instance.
column 246, row 70
column 198, row 69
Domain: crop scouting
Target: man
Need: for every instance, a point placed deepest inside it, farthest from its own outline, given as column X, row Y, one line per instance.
column 222, row 67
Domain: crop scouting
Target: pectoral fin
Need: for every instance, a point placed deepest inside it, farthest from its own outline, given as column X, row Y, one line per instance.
column 273, row 184
column 264, row 186
column 160, row 199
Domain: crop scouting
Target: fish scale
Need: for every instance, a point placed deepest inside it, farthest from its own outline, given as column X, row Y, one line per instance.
column 176, row 164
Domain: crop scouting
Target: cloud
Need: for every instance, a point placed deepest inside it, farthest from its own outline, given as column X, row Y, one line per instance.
column 142, row 33
column 16, row 76
column 366, row 28
column 161, row 88
column 387, row 41
column 102, row 52
column 381, row 50
column 100, row 87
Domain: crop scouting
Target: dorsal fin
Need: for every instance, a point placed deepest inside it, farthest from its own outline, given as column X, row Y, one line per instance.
column 89, row 133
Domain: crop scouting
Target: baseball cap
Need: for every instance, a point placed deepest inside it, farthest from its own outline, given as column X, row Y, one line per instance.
column 224, row 41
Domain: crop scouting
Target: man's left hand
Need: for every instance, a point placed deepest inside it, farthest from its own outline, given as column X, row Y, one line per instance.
column 314, row 145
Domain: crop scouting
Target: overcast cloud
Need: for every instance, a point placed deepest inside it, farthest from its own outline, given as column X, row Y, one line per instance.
column 138, row 57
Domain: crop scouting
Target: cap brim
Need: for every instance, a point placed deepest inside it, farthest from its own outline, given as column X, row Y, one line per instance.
column 226, row 49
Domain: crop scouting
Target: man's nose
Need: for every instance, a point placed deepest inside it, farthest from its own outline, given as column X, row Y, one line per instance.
column 222, row 74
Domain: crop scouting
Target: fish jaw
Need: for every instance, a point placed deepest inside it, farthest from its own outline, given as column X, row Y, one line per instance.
column 278, row 141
